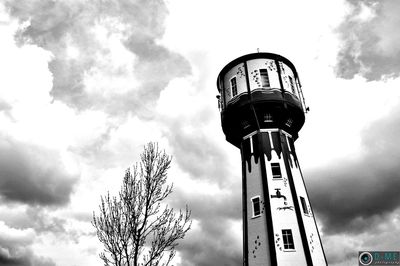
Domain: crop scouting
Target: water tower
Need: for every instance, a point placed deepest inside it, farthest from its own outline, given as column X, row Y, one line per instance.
column 262, row 110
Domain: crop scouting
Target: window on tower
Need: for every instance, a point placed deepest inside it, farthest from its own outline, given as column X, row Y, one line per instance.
column 268, row 117
column 233, row 86
column 287, row 237
column 264, row 78
column 256, row 206
column 245, row 124
column 276, row 170
column 291, row 84
column 289, row 122
column 304, row 206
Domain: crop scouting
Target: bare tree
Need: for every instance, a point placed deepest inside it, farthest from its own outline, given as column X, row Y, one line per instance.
column 134, row 227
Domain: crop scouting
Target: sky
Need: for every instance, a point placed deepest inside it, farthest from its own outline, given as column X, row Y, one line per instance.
column 85, row 84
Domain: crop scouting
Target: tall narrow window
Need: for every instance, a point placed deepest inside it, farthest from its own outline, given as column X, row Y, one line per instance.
column 287, row 239
column 264, row 78
column 276, row 170
column 233, row 86
column 291, row 84
column 256, row 206
column 304, row 205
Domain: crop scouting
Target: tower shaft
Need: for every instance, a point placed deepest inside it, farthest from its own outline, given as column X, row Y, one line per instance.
column 278, row 222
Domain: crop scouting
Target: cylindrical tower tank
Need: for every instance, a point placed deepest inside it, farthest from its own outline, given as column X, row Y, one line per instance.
column 262, row 110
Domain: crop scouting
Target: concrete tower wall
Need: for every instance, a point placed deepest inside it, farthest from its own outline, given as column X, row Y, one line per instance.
column 289, row 81
column 257, row 238
column 238, row 73
column 284, row 201
column 310, row 225
column 254, row 67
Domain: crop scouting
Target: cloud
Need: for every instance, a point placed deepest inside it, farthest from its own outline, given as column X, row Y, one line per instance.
column 212, row 244
column 370, row 40
column 121, row 144
column 15, row 248
column 215, row 237
column 203, row 173
column 199, row 147
column 33, row 175
column 193, row 130
column 25, row 258
column 356, row 195
column 342, row 249
column 206, row 250
column 340, row 254
column 38, row 218
column 111, row 43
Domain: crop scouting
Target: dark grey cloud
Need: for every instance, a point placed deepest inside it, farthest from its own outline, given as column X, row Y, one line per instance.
column 212, row 241
column 25, row 259
column 44, row 223
column 355, row 195
column 203, row 249
column 15, row 249
column 54, row 25
column 342, row 248
column 370, row 44
column 34, row 217
column 33, row 175
column 198, row 145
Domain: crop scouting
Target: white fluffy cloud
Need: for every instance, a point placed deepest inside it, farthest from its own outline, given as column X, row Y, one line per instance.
column 370, row 40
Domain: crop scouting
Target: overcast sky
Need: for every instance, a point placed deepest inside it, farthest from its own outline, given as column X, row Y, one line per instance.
column 85, row 84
